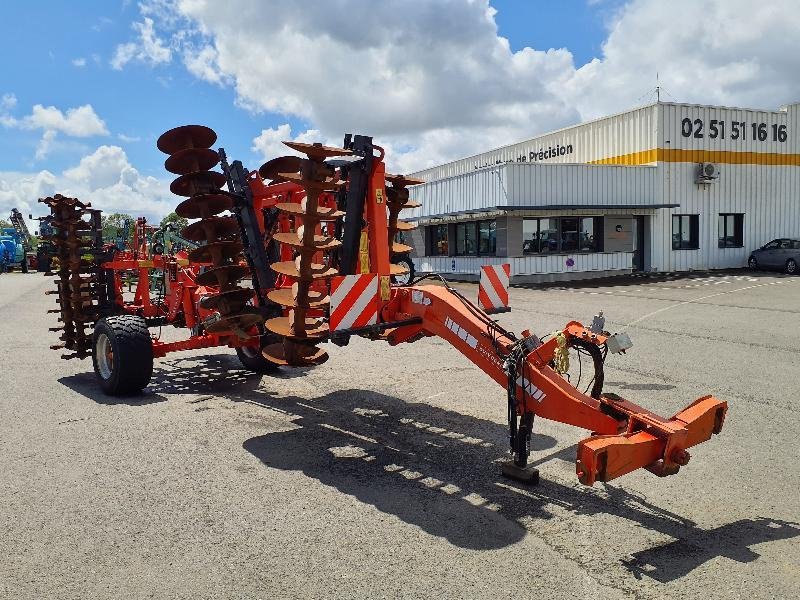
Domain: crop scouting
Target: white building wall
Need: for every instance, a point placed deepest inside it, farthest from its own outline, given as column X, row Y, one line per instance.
column 758, row 177
column 623, row 134
column 534, row 185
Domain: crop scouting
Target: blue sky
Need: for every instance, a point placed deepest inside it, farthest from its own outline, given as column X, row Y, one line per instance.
column 87, row 86
column 141, row 101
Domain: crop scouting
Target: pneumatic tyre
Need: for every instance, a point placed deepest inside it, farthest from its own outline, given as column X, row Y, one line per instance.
column 122, row 354
column 752, row 263
column 251, row 357
column 791, row 266
column 252, row 360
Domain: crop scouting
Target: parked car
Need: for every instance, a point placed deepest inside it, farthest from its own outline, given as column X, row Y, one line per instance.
column 783, row 254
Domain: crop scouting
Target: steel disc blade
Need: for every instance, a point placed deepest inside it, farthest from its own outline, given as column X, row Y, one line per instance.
column 290, row 269
column 285, row 297
column 186, row 136
column 198, row 182
column 399, row 248
column 320, row 242
column 404, row 226
column 191, row 160
column 222, row 275
column 227, row 302
column 226, row 250
column 329, row 184
column 322, row 213
column 402, row 180
column 282, row 164
column 204, row 205
column 298, row 355
column 397, row 270
column 240, row 324
column 211, row 228
column 317, row 151
column 283, row 327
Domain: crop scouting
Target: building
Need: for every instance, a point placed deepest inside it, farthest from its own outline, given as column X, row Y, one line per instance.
column 665, row 187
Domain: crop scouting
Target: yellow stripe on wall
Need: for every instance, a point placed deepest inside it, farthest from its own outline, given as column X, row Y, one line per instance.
column 729, row 157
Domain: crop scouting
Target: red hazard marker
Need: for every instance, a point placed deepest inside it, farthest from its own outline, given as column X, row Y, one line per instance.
column 354, row 301
column 493, row 290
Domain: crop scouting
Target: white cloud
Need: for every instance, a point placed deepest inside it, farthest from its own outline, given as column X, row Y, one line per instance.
column 79, row 122
column 203, row 64
column 76, row 122
column 79, row 62
column 148, row 48
column 105, row 178
column 269, row 143
column 707, row 51
column 7, row 102
column 434, row 81
column 128, row 139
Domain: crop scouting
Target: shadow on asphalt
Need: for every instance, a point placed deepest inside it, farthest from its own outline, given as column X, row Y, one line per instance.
column 439, row 469
column 86, row 385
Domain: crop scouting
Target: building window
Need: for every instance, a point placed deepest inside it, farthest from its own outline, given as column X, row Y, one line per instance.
column 564, row 234
column 476, row 238
column 438, row 240
column 731, row 230
column 487, row 238
column 685, row 232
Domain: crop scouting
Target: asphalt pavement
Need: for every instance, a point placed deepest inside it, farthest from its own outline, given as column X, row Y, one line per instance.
column 377, row 474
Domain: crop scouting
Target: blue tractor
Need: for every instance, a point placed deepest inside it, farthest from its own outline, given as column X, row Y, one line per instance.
column 15, row 243
column 12, row 251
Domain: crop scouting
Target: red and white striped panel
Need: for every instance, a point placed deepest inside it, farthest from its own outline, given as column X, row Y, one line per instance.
column 493, row 290
column 354, row 301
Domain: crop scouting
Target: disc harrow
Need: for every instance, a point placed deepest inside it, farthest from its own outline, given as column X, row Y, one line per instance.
column 397, row 199
column 78, row 243
column 191, row 158
column 310, row 270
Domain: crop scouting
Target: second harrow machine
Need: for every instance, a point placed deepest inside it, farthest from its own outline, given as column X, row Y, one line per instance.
column 298, row 254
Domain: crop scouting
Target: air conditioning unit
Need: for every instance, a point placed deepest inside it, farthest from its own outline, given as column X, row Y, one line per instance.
column 707, row 173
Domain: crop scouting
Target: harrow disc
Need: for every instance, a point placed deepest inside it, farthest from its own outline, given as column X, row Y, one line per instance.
column 198, row 182
column 322, row 213
column 204, row 205
column 294, row 354
column 222, row 276
column 282, row 164
column 397, row 200
column 285, row 297
column 284, row 326
column 186, row 136
column 80, row 290
column 211, row 228
column 230, row 301
column 320, row 242
column 298, row 328
column 191, row 158
column 217, row 253
column 308, row 272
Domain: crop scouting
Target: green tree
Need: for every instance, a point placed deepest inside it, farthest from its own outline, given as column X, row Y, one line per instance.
column 178, row 221
column 4, row 224
column 114, row 225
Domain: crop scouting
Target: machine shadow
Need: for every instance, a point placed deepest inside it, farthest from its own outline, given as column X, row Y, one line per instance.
column 439, row 470
column 676, row 559
column 86, row 385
